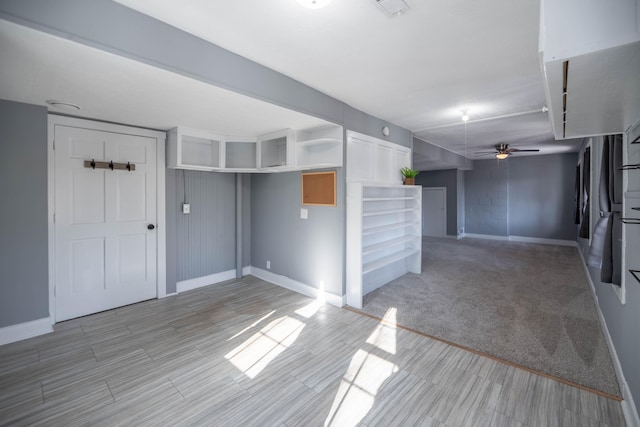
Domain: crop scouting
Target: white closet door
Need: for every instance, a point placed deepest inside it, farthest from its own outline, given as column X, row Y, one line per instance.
column 105, row 247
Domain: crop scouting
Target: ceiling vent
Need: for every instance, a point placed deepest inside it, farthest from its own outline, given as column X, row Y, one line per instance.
column 393, row 7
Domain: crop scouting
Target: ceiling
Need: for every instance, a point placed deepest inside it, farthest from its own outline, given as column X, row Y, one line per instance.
column 36, row 67
column 418, row 70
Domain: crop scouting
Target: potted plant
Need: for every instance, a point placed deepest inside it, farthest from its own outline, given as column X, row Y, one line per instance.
column 409, row 176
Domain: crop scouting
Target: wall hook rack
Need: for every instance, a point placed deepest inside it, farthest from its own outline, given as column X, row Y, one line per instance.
column 109, row 165
column 630, row 220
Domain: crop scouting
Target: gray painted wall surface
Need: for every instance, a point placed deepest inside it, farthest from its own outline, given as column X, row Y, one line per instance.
column 206, row 241
column 448, row 179
column 460, row 198
column 24, row 286
column 246, row 220
column 309, row 251
column 541, row 196
column 486, row 209
column 622, row 320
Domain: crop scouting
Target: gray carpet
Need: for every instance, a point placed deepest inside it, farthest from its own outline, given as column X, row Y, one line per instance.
column 525, row 303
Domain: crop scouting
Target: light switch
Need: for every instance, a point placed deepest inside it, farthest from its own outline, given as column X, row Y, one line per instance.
column 186, row 208
column 304, row 213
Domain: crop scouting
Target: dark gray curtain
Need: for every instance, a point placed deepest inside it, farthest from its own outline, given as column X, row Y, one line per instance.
column 576, row 197
column 586, row 180
column 611, row 271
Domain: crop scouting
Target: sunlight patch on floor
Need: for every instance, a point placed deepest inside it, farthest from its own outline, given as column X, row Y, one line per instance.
column 252, row 325
column 367, row 372
column 310, row 309
column 255, row 354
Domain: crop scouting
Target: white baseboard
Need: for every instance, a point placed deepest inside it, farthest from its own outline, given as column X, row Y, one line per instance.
column 25, row 330
column 523, row 239
column 246, row 271
column 295, row 286
column 485, row 236
column 556, row 242
column 199, row 282
column 628, row 405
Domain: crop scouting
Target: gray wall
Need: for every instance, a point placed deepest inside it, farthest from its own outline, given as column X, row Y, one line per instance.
column 541, row 196
column 307, row 250
column 461, row 204
column 448, row 179
column 529, row 196
column 622, row 319
column 24, row 289
column 486, row 189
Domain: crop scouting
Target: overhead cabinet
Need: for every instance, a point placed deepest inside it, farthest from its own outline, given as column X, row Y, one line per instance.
column 280, row 151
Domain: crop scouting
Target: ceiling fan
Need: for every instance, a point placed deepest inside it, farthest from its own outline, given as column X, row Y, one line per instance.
column 503, row 151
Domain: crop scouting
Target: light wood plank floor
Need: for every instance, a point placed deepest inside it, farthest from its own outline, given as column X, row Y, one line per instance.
column 249, row 353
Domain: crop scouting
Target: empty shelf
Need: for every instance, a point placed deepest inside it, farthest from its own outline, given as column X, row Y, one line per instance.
column 394, row 226
column 319, row 141
column 388, row 212
column 385, row 199
column 374, row 265
column 388, row 244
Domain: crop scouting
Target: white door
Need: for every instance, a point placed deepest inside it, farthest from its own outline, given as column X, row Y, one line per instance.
column 104, row 241
column 434, row 213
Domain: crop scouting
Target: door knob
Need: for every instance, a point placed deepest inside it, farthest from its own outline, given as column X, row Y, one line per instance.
column 151, row 226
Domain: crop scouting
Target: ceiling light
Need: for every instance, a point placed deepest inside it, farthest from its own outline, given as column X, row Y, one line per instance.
column 63, row 105
column 314, row 4
column 502, row 156
column 465, row 115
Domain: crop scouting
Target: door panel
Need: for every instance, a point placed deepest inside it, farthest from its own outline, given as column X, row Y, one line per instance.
column 434, row 221
column 105, row 255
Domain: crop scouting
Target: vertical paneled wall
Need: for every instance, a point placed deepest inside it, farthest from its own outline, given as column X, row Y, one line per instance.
column 205, row 238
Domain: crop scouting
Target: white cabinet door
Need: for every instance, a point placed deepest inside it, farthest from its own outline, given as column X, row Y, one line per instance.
column 105, row 252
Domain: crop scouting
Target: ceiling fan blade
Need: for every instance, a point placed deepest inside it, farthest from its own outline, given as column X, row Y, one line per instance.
column 484, row 152
column 518, row 150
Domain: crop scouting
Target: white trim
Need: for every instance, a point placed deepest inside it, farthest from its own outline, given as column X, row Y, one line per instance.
column 629, row 409
column 556, row 242
column 199, row 282
column 161, row 241
column 485, row 236
column 295, row 286
column 25, row 330
column 246, row 271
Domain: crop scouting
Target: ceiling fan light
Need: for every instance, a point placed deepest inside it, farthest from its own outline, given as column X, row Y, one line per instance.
column 314, row 4
column 502, row 156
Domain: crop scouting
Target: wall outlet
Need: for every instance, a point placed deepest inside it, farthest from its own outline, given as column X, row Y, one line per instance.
column 304, row 213
column 186, row 208
column 268, row 265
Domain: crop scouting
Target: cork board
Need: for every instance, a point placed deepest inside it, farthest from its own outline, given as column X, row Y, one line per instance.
column 319, row 188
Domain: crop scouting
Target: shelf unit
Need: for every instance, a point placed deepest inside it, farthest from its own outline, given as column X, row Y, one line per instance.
column 321, row 147
column 384, row 238
column 194, row 149
column 276, row 150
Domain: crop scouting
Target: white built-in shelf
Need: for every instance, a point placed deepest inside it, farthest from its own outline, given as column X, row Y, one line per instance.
column 383, row 235
column 320, row 141
column 387, row 212
column 366, row 250
column 385, row 199
column 387, row 260
column 388, row 227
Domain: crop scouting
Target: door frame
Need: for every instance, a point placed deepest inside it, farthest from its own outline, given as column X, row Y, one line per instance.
column 161, row 250
column 444, row 211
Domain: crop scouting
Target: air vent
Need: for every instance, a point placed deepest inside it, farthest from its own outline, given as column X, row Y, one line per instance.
column 393, row 7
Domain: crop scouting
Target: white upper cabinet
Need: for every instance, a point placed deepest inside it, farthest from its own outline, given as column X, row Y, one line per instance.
column 374, row 160
column 194, row 149
column 590, row 61
column 279, row 151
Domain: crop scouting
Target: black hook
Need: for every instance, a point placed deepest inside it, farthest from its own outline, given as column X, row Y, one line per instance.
column 111, row 165
column 93, row 163
column 129, row 166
